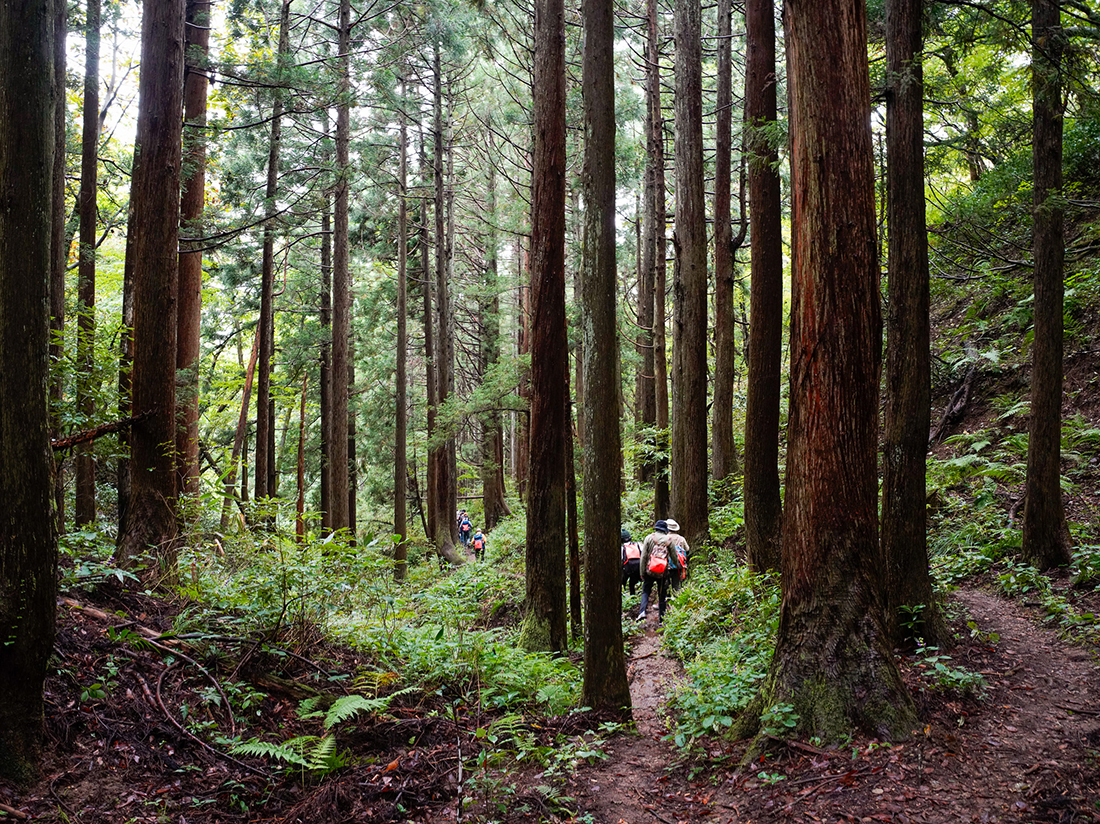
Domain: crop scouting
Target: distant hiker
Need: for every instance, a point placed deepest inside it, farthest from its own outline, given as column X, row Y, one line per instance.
column 680, row 545
column 464, row 530
column 632, row 558
column 479, row 544
column 658, row 564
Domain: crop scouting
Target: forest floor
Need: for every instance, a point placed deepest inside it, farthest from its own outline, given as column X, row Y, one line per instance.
column 1029, row 751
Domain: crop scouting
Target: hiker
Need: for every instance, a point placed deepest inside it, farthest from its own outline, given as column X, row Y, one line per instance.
column 680, row 545
column 479, row 543
column 658, row 564
column 464, row 530
column 631, row 555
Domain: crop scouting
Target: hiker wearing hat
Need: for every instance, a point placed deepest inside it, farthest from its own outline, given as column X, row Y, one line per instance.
column 658, row 564
column 680, row 544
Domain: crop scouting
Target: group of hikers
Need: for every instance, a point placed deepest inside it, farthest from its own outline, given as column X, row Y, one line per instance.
column 472, row 539
column 661, row 559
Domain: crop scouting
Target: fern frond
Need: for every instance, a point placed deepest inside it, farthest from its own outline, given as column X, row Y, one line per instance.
column 282, row 752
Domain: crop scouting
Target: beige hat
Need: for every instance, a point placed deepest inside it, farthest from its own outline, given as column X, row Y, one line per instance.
column 672, row 525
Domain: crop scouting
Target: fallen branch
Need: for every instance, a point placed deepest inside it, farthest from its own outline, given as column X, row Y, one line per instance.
column 104, row 429
column 12, row 811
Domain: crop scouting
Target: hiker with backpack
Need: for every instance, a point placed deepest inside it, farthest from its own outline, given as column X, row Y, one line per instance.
column 632, row 558
column 464, row 530
column 658, row 564
column 478, row 543
column 680, row 546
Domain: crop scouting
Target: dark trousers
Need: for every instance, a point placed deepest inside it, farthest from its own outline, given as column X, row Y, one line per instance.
column 662, row 595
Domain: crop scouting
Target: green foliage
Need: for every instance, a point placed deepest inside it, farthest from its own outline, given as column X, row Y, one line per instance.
column 1086, row 567
column 779, row 720
column 87, row 560
column 937, row 674
column 723, row 629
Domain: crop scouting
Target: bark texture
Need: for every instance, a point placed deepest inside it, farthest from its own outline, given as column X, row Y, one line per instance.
column 605, row 683
column 689, row 326
column 1046, row 541
column 192, row 199
column 28, row 542
column 833, row 659
column 544, row 626
column 908, row 357
column 763, row 505
column 154, row 198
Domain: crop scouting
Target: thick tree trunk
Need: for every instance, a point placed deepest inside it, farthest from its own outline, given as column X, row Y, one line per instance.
column 660, row 216
column 605, row 682
column 908, row 358
column 723, row 447
column 84, row 510
column 763, row 506
column 544, row 626
column 1046, row 541
column 522, row 438
column 28, row 541
column 265, row 455
column 689, row 327
column 431, row 393
column 192, row 199
column 400, row 459
column 151, row 521
column 341, row 284
column 833, row 659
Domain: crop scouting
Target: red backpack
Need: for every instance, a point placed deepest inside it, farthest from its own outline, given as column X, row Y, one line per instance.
column 632, row 551
column 658, row 565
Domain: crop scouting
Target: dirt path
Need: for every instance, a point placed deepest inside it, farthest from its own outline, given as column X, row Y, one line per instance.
column 1026, row 753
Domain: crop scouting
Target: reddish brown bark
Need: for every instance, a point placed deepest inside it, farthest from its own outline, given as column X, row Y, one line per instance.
column 155, row 204
column 832, row 576
column 192, row 199
column 763, row 506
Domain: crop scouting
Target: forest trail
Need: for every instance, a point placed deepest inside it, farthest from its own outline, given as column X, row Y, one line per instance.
column 1020, row 755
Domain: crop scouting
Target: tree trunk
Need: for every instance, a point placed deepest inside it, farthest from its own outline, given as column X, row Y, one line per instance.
column 325, row 366
column 908, row 358
column 763, row 506
column 572, row 534
column 605, row 682
column 84, row 510
column 723, row 447
column 645, row 392
column 239, row 448
column 265, row 455
column 341, row 283
column 400, row 459
column 151, row 521
column 353, row 467
column 431, row 396
column 59, row 259
column 689, row 325
column 300, row 521
column 522, row 439
column 1046, row 541
column 192, row 199
column 28, row 540
column 660, row 359
column 833, row 659
column 544, row 624
column 494, row 506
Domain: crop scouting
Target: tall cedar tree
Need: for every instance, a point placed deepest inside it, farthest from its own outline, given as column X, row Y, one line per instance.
column 341, row 284
column 59, row 259
column 400, row 461
column 645, row 388
column 544, row 626
column 265, row 418
column 763, row 506
column 908, row 357
column 605, row 683
column 445, row 459
column 192, row 198
column 689, row 328
column 494, row 505
column 660, row 217
column 84, row 495
column 1046, row 541
column 28, row 542
column 833, row 659
column 153, row 250
column 724, row 450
